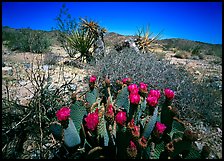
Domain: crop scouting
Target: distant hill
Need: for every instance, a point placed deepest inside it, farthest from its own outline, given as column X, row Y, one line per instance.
column 189, row 45
column 112, row 38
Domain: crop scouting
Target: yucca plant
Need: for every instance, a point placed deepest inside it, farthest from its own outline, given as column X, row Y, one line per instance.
column 144, row 41
column 82, row 41
column 122, row 123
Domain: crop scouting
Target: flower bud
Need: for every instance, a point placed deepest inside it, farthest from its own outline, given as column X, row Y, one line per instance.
column 160, row 128
column 63, row 114
column 152, row 100
column 142, row 142
column 126, row 81
column 133, row 88
column 92, row 79
column 134, row 98
column 121, row 118
column 169, row 94
column 155, row 93
column 92, row 120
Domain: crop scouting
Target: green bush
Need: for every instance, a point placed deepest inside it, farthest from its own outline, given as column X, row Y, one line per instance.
column 26, row 40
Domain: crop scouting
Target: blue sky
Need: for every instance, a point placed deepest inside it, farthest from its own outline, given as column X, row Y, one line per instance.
column 199, row 21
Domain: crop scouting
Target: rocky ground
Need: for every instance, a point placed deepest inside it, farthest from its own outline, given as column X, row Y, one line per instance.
column 14, row 65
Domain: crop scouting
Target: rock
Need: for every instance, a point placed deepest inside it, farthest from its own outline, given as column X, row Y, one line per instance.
column 198, row 145
column 195, row 57
column 219, row 155
column 7, row 71
column 72, row 87
column 23, row 82
column 219, row 130
column 197, row 72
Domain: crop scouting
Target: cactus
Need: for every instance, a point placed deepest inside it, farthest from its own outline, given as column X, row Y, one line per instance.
column 122, row 99
column 92, row 95
column 71, row 136
column 78, row 110
column 102, row 131
column 114, row 124
column 150, row 125
column 56, row 130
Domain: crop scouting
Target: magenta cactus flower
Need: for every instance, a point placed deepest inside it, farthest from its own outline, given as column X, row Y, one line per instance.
column 136, row 131
column 160, row 128
column 126, row 80
column 152, row 100
column 134, row 98
column 63, row 114
column 143, row 87
column 155, row 93
column 133, row 88
column 131, row 124
column 92, row 120
column 92, row 79
column 169, row 93
column 110, row 110
column 121, row 117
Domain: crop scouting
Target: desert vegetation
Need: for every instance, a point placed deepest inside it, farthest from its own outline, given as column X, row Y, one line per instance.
column 131, row 104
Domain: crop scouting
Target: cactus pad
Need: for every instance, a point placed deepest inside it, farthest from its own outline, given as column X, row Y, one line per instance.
column 78, row 110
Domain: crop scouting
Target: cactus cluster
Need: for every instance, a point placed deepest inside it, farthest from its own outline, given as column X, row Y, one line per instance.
column 124, row 120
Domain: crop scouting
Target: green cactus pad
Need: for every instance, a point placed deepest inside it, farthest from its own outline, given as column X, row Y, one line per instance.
column 102, row 131
column 123, row 100
column 177, row 129
column 92, row 96
column 78, row 110
column 194, row 154
column 71, row 135
column 158, row 149
column 150, row 125
column 56, row 130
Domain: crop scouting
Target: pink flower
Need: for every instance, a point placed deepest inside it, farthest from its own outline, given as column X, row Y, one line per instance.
column 155, row 93
column 152, row 100
column 121, row 117
column 131, row 124
column 92, row 79
column 160, row 127
column 136, row 131
column 143, row 87
column 169, row 93
column 110, row 110
column 63, row 114
column 92, row 121
column 132, row 145
column 134, row 98
column 133, row 88
column 126, row 80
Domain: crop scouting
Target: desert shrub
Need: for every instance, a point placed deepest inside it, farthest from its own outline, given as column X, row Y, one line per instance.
column 191, row 96
column 23, row 124
column 27, row 40
column 50, row 58
column 65, row 24
column 182, row 55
